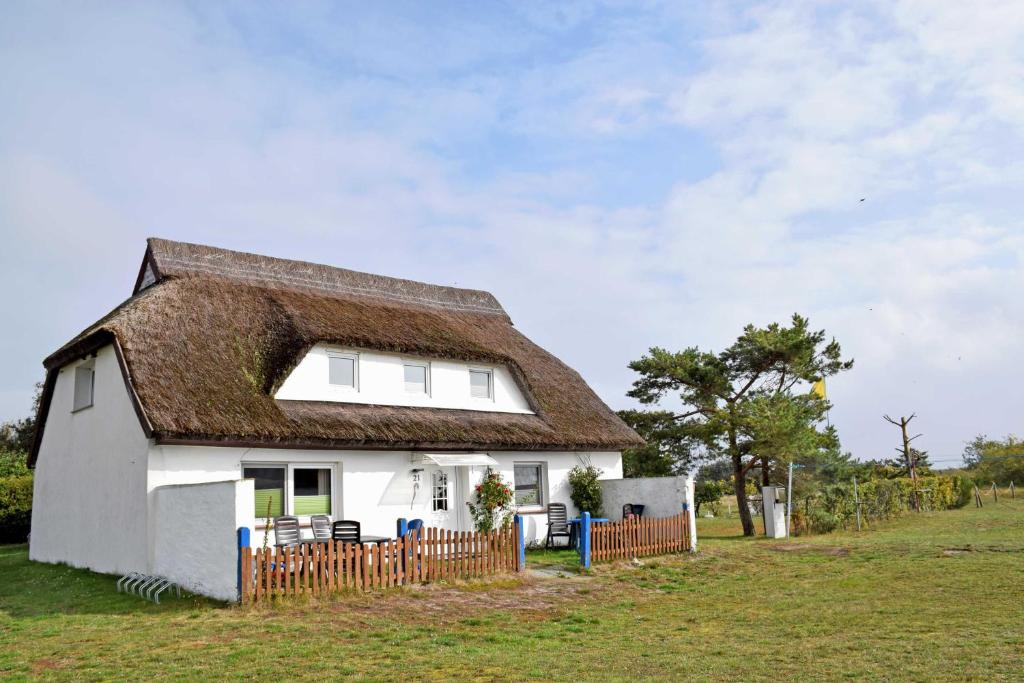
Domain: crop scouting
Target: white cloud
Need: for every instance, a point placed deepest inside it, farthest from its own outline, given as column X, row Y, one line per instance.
column 448, row 149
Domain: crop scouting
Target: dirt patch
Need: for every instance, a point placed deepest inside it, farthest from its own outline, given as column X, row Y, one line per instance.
column 830, row 550
column 432, row 602
column 41, row 665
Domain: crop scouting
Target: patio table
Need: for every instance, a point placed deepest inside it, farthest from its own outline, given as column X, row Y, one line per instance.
column 372, row 539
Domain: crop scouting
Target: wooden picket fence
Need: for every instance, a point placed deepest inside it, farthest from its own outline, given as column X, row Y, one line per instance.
column 639, row 537
column 320, row 568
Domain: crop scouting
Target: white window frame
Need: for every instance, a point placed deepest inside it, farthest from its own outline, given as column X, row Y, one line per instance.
column 289, row 486
column 347, row 355
column 490, row 383
column 434, row 476
column 89, row 365
column 542, row 484
column 426, row 373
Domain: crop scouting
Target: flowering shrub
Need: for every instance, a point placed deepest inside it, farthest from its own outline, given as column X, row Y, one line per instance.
column 495, row 503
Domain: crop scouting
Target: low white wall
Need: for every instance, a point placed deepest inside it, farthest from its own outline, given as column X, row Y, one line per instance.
column 661, row 496
column 195, row 542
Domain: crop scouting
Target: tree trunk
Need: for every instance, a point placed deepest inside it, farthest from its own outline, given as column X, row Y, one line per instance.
column 739, row 479
column 766, row 472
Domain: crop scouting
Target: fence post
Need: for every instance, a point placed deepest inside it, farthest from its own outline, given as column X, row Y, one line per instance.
column 403, row 527
column 1013, row 494
column 243, row 547
column 856, row 502
column 995, row 493
column 520, row 544
column 585, row 540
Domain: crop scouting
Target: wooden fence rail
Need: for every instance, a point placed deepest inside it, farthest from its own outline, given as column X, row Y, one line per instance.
column 639, row 537
column 436, row 555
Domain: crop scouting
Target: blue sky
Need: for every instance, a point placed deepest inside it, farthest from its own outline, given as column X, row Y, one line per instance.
column 620, row 175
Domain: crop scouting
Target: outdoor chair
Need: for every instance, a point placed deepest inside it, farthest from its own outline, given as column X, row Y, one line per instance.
column 638, row 510
column 558, row 524
column 286, row 531
column 346, row 530
column 417, row 526
column 627, row 511
column 321, row 525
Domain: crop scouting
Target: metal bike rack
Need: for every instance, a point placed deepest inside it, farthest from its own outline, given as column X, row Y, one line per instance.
column 145, row 586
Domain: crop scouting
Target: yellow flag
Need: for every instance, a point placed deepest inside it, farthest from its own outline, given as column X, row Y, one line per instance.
column 819, row 389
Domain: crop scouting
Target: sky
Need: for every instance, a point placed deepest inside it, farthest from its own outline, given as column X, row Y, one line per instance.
column 620, row 175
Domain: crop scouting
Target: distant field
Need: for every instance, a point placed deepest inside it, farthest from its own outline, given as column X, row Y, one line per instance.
column 936, row 596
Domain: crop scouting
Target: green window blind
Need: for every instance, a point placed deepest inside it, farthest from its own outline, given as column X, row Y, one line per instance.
column 275, row 497
column 313, row 505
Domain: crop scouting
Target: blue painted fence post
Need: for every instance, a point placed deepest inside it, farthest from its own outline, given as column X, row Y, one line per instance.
column 403, row 527
column 243, row 547
column 585, row 540
column 521, row 535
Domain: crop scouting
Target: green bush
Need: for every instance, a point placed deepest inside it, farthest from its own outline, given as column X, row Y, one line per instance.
column 834, row 506
column 585, row 489
column 13, row 464
column 15, row 508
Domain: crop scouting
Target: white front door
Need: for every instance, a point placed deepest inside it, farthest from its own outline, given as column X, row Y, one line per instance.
column 442, row 510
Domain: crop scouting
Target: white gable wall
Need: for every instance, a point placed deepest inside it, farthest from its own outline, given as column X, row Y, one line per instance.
column 382, row 382
column 89, row 500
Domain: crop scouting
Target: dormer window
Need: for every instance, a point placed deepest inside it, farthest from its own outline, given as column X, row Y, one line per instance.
column 417, row 378
column 85, row 383
column 481, row 384
column 344, row 370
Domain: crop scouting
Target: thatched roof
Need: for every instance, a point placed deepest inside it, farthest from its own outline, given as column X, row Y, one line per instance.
column 210, row 334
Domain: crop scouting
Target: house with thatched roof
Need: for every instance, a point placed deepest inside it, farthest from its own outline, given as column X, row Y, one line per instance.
column 332, row 391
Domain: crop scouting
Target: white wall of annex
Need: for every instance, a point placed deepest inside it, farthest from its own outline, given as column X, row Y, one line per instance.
column 89, row 501
column 382, row 382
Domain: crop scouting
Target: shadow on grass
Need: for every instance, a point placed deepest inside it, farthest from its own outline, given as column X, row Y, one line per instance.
column 32, row 589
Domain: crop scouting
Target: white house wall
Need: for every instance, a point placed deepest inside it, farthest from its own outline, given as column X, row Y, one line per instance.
column 382, row 382
column 89, row 504
column 375, row 488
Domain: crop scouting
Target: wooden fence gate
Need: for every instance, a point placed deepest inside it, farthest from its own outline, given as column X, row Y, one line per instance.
column 639, row 537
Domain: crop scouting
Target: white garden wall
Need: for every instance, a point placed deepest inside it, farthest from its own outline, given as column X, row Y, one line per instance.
column 195, row 534
column 89, row 504
column 661, row 496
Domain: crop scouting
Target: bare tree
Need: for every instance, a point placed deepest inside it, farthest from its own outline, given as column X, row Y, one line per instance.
column 910, row 455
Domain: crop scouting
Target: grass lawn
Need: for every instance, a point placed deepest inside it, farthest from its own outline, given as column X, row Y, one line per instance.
column 937, row 596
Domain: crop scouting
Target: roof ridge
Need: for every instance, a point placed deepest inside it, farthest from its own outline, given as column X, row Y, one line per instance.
column 184, row 259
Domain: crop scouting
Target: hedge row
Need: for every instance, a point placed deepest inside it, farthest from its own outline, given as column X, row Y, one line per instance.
column 834, row 506
column 15, row 508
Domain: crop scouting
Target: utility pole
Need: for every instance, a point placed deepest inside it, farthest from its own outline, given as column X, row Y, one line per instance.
column 908, row 455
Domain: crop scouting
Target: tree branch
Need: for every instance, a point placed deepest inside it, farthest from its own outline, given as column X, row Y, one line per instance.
column 749, row 384
column 683, row 416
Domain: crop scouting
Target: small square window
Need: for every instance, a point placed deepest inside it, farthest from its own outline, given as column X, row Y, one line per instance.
column 344, row 370
column 312, row 491
column 417, row 378
column 85, row 383
column 481, row 384
column 269, row 490
column 528, row 479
